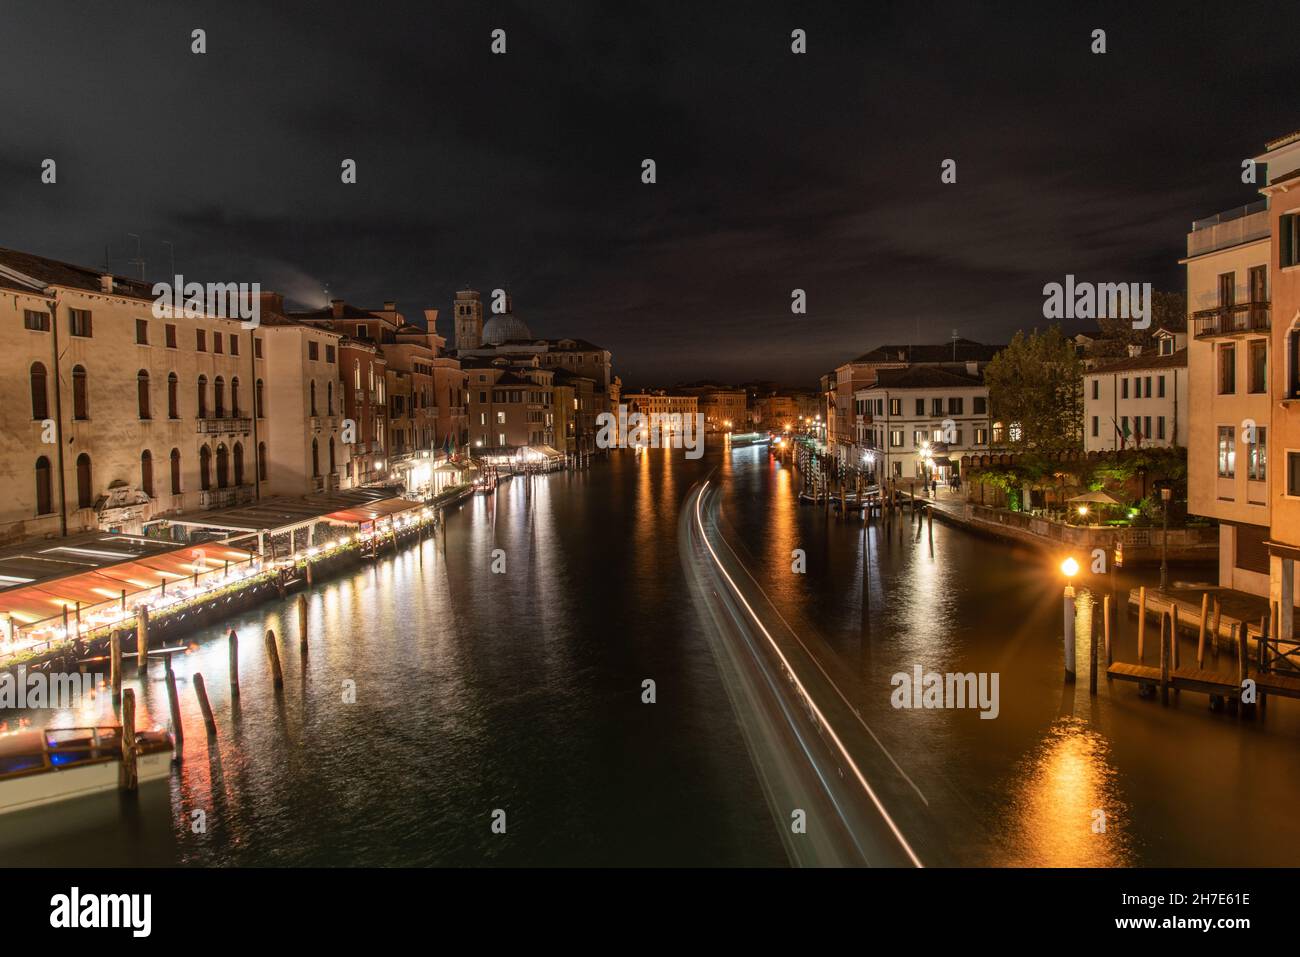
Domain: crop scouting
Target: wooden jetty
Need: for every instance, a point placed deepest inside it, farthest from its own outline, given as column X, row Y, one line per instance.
column 1276, row 661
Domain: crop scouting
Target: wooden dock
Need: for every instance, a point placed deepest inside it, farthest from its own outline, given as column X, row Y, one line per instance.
column 1277, row 663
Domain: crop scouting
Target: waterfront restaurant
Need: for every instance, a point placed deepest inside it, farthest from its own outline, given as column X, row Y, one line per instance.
column 59, row 588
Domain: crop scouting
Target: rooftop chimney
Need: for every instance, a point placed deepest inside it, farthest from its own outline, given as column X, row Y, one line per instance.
column 106, row 283
column 1134, row 351
column 390, row 305
column 272, row 302
column 336, row 308
column 973, row 368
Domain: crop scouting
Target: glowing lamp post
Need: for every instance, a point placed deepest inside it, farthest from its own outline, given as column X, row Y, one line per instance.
column 1166, row 493
column 1069, row 568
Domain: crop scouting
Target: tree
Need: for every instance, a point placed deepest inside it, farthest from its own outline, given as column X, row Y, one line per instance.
column 1036, row 392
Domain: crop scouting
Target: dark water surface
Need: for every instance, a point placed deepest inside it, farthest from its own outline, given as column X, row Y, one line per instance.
column 522, row 692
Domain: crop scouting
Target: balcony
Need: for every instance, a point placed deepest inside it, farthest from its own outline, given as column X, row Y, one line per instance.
column 1232, row 320
column 225, row 425
column 226, row 497
column 326, row 422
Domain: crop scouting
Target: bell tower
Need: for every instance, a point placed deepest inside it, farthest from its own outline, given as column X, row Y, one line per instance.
column 469, row 319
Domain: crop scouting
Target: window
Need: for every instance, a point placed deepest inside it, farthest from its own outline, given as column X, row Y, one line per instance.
column 80, row 407
column 173, row 399
column 219, row 399
column 142, row 332
column 313, row 351
column 201, row 340
column 501, row 438
column 1257, row 455
column 329, row 353
column 44, row 487
column 234, row 396
column 1289, row 246
column 1227, row 452
column 257, row 348
column 501, row 418
column 203, row 399
column 920, row 407
column 981, row 436
column 1123, row 388
column 176, row 471
column 261, row 461
column 333, row 465
column 1161, row 384
column 1293, row 473
column 239, row 463
column 1096, row 389
column 1227, row 369
column 1146, row 427
column 312, row 394
column 1123, row 426
column 981, row 405
column 257, row 399
column 1293, row 351
column 1256, row 365
column 218, row 344
column 315, row 458
column 955, row 406
column 329, row 399
column 919, row 437
column 40, row 392
column 36, row 320
column 234, row 344
column 1160, row 427
column 169, row 335
column 1096, row 426
column 936, row 406
column 85, row 497
column 223, row 466
column 79, row 324
column 205, row 468
column 146, row 472
column 1146, row 387
column 896, row 407
column 361, row 331
column 1257, row 281
column 142, row 393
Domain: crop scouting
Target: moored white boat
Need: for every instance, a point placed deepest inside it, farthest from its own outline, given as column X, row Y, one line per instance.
column 58, row 764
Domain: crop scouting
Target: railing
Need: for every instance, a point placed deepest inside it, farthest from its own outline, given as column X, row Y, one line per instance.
column 225, row 424
column 327, row 422
column 1230, row 320
column 1256, row 207
column 225, row 497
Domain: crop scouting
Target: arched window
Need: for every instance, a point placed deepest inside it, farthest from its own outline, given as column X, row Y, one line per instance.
column 219, row 397
column 234, row 396
column 261, row 461
column 203, row 398
column 173, row 397
column 80, row 407
column 313, row 396
column 315, row 458
column 205, row 468
column 329, row 398
column 332, row 464
column 85, row 497
column 223, row 466
column 239, row 463
column 176, row 471
column 142, row 393
column 356, row 374
column 257, row 399
column 40, row 394
column 44, row 487
column 146, row 472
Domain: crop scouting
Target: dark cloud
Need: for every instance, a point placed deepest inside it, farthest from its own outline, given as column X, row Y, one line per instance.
column 819, row 172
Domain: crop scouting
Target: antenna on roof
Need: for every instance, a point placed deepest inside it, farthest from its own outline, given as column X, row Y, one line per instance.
column 139, row 259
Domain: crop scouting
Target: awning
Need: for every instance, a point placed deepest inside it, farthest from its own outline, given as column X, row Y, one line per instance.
column 942, row 461
column 373, row 511
column 30, row 603
column 546, row 450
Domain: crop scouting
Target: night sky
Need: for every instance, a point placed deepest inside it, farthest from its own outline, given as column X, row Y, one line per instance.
column 522, row 171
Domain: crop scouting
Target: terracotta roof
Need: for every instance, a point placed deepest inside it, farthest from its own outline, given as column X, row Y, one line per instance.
column 967, row 350
column 1148, row 360
column 53, row 272
column 927, row 377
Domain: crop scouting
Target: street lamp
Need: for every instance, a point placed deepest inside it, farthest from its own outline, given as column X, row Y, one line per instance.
column 1166, row 493
column 1069, row 568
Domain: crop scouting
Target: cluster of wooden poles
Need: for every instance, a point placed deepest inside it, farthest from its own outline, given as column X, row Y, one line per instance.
column 129, row 778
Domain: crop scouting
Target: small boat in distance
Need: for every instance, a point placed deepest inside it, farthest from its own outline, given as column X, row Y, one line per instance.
column 743, row 439
column 57, row 764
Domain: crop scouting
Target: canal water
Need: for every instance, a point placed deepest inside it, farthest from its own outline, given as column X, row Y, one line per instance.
column 437, row 692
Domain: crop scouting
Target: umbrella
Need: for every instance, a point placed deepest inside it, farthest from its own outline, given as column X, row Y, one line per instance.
column 1097, row 498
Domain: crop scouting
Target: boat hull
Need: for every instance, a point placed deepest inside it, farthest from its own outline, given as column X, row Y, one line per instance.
column 65, row 784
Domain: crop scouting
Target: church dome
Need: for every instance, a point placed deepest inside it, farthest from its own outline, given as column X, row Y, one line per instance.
column 504, row 328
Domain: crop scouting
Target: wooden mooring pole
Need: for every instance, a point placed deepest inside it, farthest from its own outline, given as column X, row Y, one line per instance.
column 115, row 663
column 1093, row 631
column 174, row 704
column 1164, row 663
column 1142, row 622
column 302, row 623
column 273, row 653
column 1200, row 635
column 128, row 776
column 234, row 663
column 1105, row 613
column 142, row 638
column 201, row 693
